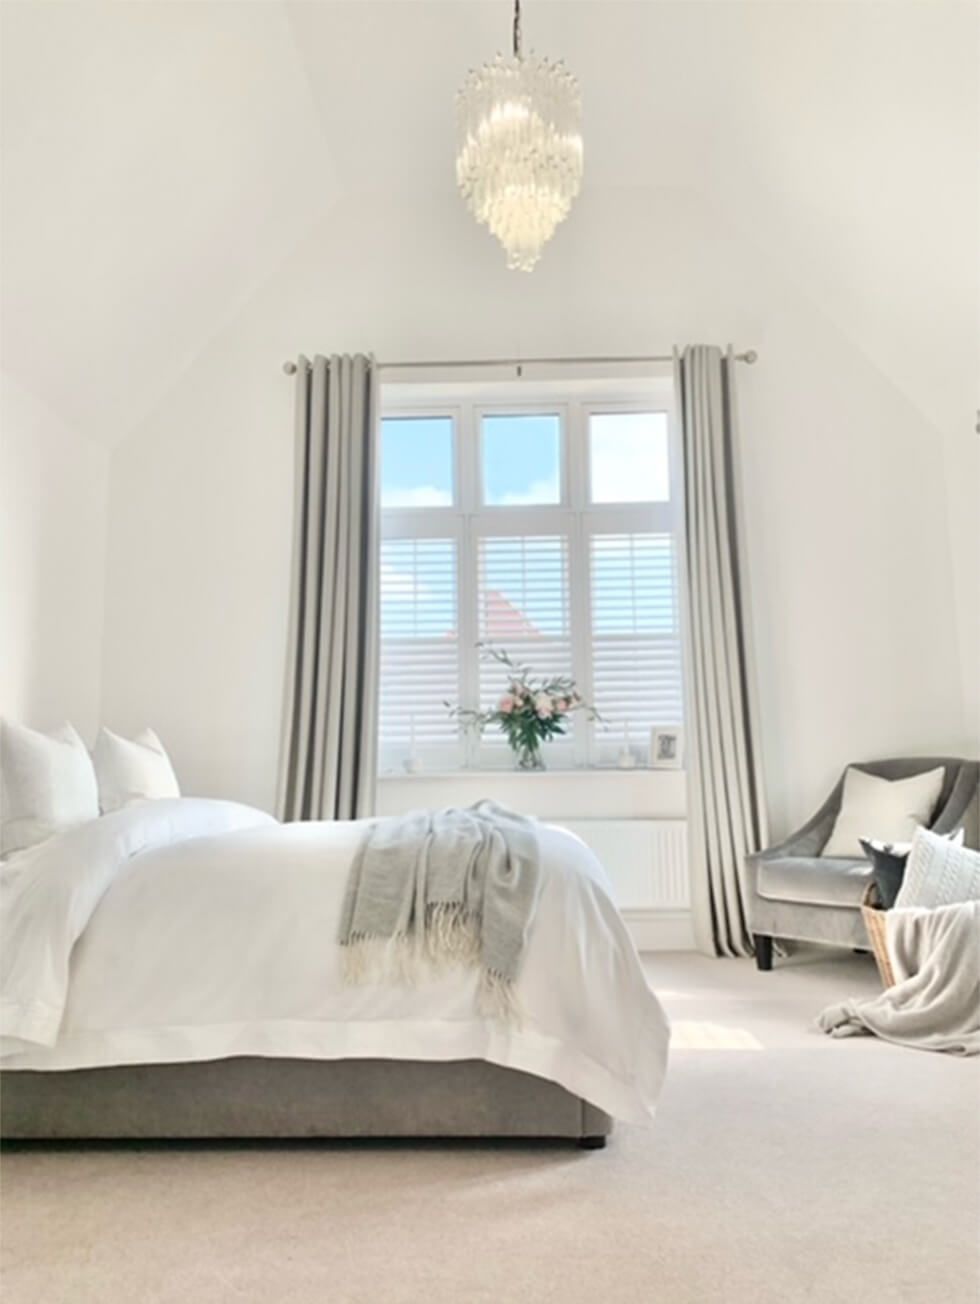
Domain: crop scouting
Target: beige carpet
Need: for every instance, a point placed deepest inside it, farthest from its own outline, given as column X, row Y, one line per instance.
column 783, row 1167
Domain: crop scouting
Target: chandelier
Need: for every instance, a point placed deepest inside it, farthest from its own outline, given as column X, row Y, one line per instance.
column 519, row 162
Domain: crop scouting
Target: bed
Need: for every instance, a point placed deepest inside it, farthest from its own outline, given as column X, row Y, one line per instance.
column 172, row 970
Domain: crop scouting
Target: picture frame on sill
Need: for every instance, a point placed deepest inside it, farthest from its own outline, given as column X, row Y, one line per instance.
column 667, row 748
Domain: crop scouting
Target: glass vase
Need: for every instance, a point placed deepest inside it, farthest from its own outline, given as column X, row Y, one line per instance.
column 528, row 756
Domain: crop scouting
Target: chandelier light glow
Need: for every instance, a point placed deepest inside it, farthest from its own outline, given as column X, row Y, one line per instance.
column 519, row 161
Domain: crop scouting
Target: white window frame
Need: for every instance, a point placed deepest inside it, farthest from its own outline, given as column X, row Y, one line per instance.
column 469, row 518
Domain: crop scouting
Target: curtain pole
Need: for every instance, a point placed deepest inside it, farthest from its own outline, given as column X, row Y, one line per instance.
column 749, row 356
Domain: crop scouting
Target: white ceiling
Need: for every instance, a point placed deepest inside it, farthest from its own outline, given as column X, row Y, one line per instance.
column 161, row 159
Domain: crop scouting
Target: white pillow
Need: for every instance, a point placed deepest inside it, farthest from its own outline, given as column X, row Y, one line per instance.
column 48, row 785
column 939, row 872
column 131, row 770
column 887, row 809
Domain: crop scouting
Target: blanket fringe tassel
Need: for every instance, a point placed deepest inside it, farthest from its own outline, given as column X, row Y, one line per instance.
column 498, row 1000
column 449, row 938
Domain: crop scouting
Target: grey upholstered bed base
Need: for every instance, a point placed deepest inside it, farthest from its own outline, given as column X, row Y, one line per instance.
column 254, row 1097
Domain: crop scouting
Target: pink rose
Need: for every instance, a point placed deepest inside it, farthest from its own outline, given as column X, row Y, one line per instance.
column 562, row 705
column 506, row 704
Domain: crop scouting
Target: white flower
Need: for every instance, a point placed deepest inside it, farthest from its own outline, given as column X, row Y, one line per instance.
column 543, row 705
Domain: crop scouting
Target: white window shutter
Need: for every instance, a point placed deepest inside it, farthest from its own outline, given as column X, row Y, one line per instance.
column 636, row 642
column 524, row 610
column 419, row 650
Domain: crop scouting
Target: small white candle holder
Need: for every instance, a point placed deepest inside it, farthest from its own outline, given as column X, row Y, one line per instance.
column 626, row 760
column 411, row 763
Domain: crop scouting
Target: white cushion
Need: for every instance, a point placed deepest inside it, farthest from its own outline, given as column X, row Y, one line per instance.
column 48, row 785
column 887, row 809
column 132, row 769
column 938, row 872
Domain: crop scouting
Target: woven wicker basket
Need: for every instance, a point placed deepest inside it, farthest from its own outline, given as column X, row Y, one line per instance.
column 874, row 921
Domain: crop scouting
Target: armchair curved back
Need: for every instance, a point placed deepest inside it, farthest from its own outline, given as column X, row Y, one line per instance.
column 955, row 809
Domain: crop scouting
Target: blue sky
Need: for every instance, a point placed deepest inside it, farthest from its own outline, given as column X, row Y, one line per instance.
column 417, row 462
column 521, row 459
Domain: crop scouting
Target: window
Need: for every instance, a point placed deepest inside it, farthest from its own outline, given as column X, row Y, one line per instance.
column 627, row 449
column 546, row 526
column 417, row 462
column 521, row 459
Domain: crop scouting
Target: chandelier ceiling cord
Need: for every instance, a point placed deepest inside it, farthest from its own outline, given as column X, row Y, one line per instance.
column 519, row 158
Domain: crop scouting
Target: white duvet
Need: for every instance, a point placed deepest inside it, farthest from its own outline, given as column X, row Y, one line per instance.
column 193, row 930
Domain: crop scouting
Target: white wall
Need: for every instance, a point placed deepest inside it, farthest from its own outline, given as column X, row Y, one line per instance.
column 848, row 544
column 53, row 518
column 855, row 614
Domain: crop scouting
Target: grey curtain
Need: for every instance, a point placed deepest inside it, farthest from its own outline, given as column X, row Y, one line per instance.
column 726, row 801
column 328, row 757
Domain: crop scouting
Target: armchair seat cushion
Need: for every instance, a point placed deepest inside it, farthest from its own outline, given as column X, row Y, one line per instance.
column 815, row 880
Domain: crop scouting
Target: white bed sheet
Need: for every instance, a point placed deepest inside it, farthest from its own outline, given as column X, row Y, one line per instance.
column 185, row 930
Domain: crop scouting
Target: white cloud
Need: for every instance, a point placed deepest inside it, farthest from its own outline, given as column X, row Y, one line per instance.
column 629, row 461
column 539, row 491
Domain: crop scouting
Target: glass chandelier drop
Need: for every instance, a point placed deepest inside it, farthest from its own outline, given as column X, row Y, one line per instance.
column 519, row 162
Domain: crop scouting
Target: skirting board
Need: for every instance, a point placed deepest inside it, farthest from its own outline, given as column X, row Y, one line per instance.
column 660, row 930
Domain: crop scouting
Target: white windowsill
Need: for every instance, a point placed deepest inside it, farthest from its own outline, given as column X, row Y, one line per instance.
column 550, row 794
column 578, row 774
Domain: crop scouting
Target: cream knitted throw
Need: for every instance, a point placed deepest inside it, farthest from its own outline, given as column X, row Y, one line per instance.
column 935, row 1002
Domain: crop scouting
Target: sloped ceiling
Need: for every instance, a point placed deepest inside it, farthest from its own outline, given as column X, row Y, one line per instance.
column 158, row 160
column 161, row 159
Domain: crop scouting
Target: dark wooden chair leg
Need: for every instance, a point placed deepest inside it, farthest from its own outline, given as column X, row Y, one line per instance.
column 592, row 1142
column 763, row 952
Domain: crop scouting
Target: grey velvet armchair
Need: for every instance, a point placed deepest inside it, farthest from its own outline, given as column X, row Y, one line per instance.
column 793, row 892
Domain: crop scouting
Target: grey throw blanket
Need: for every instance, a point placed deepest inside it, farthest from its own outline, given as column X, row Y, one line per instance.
column 443, row 887
column 935, row 1002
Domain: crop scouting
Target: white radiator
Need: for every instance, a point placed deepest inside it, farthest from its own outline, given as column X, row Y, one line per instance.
column 646, row 860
